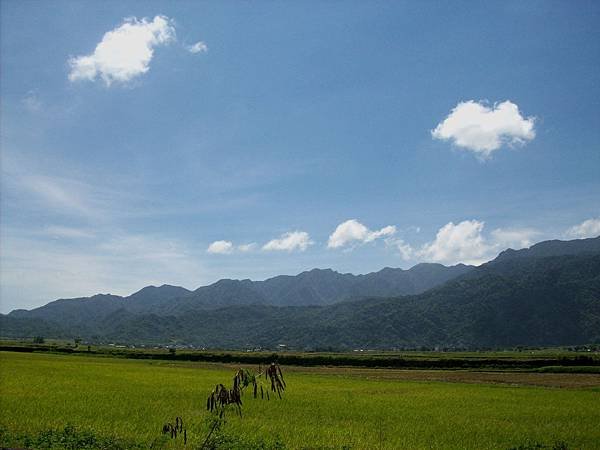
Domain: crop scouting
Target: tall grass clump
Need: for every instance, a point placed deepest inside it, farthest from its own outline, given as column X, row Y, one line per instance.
column 222, row 399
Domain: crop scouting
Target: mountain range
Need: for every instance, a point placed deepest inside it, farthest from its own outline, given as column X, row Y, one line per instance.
column 548, row 294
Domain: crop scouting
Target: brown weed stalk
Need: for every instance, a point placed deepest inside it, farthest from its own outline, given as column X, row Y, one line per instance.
column 174, row 430
column 221, row 397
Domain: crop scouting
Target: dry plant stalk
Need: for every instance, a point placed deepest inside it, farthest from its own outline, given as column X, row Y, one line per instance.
column 173, row 430
column 273, row 372
column 221, row 397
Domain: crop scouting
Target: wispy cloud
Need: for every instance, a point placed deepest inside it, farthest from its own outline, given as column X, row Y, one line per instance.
column 482, row 129
column 59, row 232
column 61, row 195
column 514, row 238
column 31, row 101
column 125, row 52
column 403, row 248
column 62, row 189
column 587, row 229
column 112, row 262
column 244, row 248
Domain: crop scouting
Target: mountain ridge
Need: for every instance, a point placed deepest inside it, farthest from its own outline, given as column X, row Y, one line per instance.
column 280, row 290
column 522, row 297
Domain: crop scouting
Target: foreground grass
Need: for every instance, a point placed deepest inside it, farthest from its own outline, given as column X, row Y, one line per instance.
column 129, row 400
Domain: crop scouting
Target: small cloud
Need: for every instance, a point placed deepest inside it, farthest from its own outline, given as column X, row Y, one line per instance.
column 294, row 240
column 245, row 248
column 32, row 102
column 404, row 249
column 227, row 247
column 515, row 238
column 587, row 229
column 125, row 52
column 352, row 231
column 198, row 47
column 482, row 129
column 220, row 248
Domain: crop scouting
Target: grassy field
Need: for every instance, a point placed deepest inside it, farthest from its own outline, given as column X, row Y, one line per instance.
column 553, row 359
column 322, row 408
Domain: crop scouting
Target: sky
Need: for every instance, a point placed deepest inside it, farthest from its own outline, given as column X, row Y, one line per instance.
column 182, row 142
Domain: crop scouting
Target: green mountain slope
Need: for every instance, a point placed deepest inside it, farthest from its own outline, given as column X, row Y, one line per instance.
column 315, row 287
column 520, row 298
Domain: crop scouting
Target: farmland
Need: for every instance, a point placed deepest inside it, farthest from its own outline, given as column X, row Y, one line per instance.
column 324, row 407
column 581, row 359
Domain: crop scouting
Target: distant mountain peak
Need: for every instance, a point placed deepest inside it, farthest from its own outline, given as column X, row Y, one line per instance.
column 152, row 293
column 227, row 282
column 311, row 287
column 317, row 271
column 553, row 247
column 537, row 301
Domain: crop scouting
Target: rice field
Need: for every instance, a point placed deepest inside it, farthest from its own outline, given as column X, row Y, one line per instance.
column 322, row 408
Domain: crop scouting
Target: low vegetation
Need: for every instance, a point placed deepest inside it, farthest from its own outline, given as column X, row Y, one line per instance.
column 126, row 402
column 585, row 360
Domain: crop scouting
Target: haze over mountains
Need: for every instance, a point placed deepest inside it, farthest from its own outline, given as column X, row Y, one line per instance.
column 548, row 294
column 315, row 287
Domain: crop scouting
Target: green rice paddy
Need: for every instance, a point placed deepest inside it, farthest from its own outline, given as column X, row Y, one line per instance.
column 131, row 400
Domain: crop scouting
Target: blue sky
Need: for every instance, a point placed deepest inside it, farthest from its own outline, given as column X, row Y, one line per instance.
column 183, row 142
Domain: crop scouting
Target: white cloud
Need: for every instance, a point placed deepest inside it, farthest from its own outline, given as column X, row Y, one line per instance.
column 293, row 240
column 586, row 229
column 352, row 231
column 483, row 129
column 220, row 247
column 198, row 47
column 247, row 247
column 514, row 238
column 462, row 242
column 227, row 247
column 404, row 249
column 125, row 52
column 466, row 243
